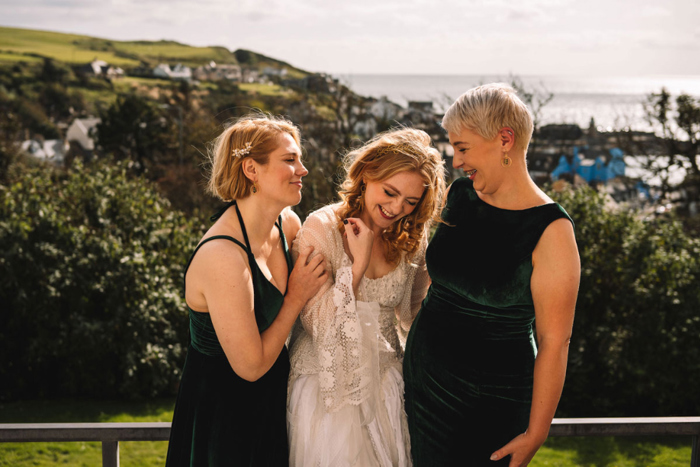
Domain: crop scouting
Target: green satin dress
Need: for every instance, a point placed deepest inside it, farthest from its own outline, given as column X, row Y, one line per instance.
column 470, row 354
column 221, row 419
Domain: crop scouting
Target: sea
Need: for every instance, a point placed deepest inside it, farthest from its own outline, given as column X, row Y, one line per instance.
column 612, row 102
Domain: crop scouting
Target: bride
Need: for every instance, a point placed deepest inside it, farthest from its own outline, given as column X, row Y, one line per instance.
column 345, row 393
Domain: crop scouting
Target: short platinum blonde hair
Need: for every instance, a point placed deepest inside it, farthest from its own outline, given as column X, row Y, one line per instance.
column 253, row 136
column 486, row 109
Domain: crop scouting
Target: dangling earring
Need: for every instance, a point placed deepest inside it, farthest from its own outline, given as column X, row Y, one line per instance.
column 254, row 188
column 361, row 198
column 506, row 160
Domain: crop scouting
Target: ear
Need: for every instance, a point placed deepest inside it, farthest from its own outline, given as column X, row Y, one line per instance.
column 250, row 169
column 507, row 138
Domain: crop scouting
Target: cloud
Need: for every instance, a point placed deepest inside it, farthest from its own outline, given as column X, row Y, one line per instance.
column 458, row 36
column 655, row 12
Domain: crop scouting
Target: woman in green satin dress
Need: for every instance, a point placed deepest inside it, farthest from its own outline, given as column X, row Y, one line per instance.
column 243, row 297
column 480, row 389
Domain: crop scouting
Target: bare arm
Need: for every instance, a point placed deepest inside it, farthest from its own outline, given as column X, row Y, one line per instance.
column 554, row 285
column 227, row 287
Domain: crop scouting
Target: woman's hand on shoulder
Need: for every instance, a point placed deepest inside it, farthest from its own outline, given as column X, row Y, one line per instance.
column 307, row 277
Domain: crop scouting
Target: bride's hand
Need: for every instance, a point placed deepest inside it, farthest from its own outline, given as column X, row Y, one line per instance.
column 360, row 240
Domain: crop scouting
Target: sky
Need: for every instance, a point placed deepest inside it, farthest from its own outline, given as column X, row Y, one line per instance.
column 523, row 37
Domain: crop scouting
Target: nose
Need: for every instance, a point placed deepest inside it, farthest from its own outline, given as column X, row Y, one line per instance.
column 301, row 170
column 397, row 206
column 457, row 160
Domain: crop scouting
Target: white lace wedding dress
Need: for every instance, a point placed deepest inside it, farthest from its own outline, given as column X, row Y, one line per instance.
column 345, row 399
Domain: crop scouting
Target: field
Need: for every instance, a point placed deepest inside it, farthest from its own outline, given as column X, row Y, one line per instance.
column 557, row 452
column 30, row 45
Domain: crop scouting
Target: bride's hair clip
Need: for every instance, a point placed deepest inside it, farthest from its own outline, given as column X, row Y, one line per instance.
column 243, row 151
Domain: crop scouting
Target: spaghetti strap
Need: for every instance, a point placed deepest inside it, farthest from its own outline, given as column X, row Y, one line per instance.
column 240, row 220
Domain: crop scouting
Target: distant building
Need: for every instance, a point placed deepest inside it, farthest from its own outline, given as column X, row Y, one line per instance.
column 102, row 68
column 422, row 106
column 178, row 72
column 271, row 71
column 250, row 75
column 384, row 109
column 81, row 131
column 162, row 71
column 52, row 150
column 215, row 72
column 592, row 170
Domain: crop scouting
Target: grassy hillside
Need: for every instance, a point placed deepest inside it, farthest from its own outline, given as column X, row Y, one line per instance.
column 31, row 45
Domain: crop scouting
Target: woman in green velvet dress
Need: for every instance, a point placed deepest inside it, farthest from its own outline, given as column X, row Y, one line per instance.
column 479, row 391
column 243, row 295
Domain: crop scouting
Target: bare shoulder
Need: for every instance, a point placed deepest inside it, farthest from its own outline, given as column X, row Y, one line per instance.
column 557, row 244
column 291, row 223
column 219, row 257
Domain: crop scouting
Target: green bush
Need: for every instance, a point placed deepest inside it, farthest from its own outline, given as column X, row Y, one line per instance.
column 635, row 349
column 91, row 267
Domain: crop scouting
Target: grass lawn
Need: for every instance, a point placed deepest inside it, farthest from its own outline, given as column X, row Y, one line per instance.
column 557, row 452
column 133, row 453
column 265, row 89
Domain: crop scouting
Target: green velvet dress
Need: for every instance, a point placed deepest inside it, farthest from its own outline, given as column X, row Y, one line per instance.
column 470, row 355
column 221, row 419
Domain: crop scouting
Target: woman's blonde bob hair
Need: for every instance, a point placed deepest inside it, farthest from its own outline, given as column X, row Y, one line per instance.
column 253, row 136
column 382, row 157
column 486, row 109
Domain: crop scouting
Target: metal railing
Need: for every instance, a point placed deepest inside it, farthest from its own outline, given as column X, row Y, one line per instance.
column 110, row 434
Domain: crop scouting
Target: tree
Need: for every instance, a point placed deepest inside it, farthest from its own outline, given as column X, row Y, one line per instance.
column 676, row 145
column 634, row 349
column 92, row 264
column 10, row 134
column 134, row 128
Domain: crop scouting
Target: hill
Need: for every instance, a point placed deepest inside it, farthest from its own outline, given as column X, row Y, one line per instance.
column 33, row 45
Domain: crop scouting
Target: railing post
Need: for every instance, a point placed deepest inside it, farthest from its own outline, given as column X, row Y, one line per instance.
column 695, row 455
column 110, row 453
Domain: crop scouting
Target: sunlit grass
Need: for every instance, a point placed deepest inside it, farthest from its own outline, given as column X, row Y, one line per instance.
column 265, row 89
column 16, row 57
column 615, row 452
column 58, row 46
column 132, row 453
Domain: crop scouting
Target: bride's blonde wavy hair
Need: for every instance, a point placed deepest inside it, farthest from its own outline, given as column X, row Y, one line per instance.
column 385, row 155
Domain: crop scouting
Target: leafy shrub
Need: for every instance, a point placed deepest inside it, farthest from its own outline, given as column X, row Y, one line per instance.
column 635, row 349
column 91, row 265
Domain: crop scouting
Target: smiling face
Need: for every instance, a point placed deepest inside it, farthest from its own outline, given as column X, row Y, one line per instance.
column 389, row 200
column 280, row 178
column 480, row 159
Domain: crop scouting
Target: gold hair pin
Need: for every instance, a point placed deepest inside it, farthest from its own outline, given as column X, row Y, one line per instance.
column 242, row 152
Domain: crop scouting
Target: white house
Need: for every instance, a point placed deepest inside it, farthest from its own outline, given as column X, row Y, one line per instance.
column 181, row 72
column 52, row 150
column 102, row 68
column 214, row 72
column 162, row 71
column 81, row 131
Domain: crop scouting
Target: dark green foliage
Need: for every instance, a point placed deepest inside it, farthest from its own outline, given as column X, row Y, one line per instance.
column 91, row 266
column 135, row 128
column 635, row 349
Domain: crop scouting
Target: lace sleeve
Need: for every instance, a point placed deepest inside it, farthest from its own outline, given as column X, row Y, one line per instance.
column 417, row 283
column 335, row 321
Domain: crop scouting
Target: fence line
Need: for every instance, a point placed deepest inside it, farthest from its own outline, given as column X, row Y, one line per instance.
column 110, row 434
